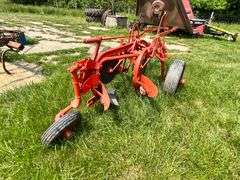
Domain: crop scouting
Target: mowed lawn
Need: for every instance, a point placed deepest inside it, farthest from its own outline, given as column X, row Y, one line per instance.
column 194, row 134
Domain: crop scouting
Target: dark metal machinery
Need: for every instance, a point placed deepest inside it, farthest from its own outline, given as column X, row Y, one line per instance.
column 179, row 14
column 14, row 41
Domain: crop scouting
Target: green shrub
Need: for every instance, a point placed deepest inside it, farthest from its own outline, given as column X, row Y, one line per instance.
column 209, row 5
column 123, row 5
column 234, row 6
column 33, row 2
column 217, row 5
column 120, row 4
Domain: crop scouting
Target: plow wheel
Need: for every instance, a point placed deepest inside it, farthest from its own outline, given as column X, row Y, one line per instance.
column 174, row 76
column 63, row 128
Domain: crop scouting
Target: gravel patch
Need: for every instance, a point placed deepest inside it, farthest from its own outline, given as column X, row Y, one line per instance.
column 98, row 28
column 23, row 74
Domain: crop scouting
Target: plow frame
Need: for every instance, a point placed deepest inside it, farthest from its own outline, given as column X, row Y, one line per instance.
column 136, row 53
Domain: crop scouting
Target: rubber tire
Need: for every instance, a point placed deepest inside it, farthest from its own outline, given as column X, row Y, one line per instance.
column 93, row 19
column 56, row 129
column 174, row 76
column 92, row 12
column 105, row 15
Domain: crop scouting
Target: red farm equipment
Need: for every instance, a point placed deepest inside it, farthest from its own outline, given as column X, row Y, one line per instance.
column 179, row 14
column 91, row 75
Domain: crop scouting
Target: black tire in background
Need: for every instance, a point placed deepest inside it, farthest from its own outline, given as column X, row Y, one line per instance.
column 92, row 12
column 174, row 76
column 105, row 15
column 93, row 19
column 57, row 128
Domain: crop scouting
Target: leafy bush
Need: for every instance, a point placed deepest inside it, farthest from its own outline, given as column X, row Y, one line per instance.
column 234, row 6
column 120, row 4
column 34, row 2
column 209, row 5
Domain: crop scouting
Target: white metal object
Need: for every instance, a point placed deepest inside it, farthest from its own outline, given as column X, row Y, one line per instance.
column 116, row 21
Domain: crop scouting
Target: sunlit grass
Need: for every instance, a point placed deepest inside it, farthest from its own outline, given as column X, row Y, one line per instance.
column 193, row 135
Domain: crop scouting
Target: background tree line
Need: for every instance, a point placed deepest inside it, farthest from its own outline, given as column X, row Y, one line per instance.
column 230, row 6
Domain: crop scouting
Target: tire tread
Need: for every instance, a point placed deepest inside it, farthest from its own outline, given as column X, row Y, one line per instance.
column 57, row 127
column 174, row 76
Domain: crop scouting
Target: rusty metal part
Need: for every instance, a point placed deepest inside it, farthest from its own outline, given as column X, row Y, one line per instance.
column 175, row 16
column 3, row 59
column 14, row 41
column 15, row 46
column 7, row 35
column 179, row 14
column 146, row 10
column 158, row 6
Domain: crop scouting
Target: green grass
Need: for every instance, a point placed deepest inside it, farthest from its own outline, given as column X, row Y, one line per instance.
column 193, row 135
column 31, row 41
column 7, row 7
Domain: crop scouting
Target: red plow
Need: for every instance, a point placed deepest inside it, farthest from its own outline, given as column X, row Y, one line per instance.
column 91, row 75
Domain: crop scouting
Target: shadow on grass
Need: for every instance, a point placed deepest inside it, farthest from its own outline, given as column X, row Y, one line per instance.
column 183, row 35
column 116, row 115
column 113, row 112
